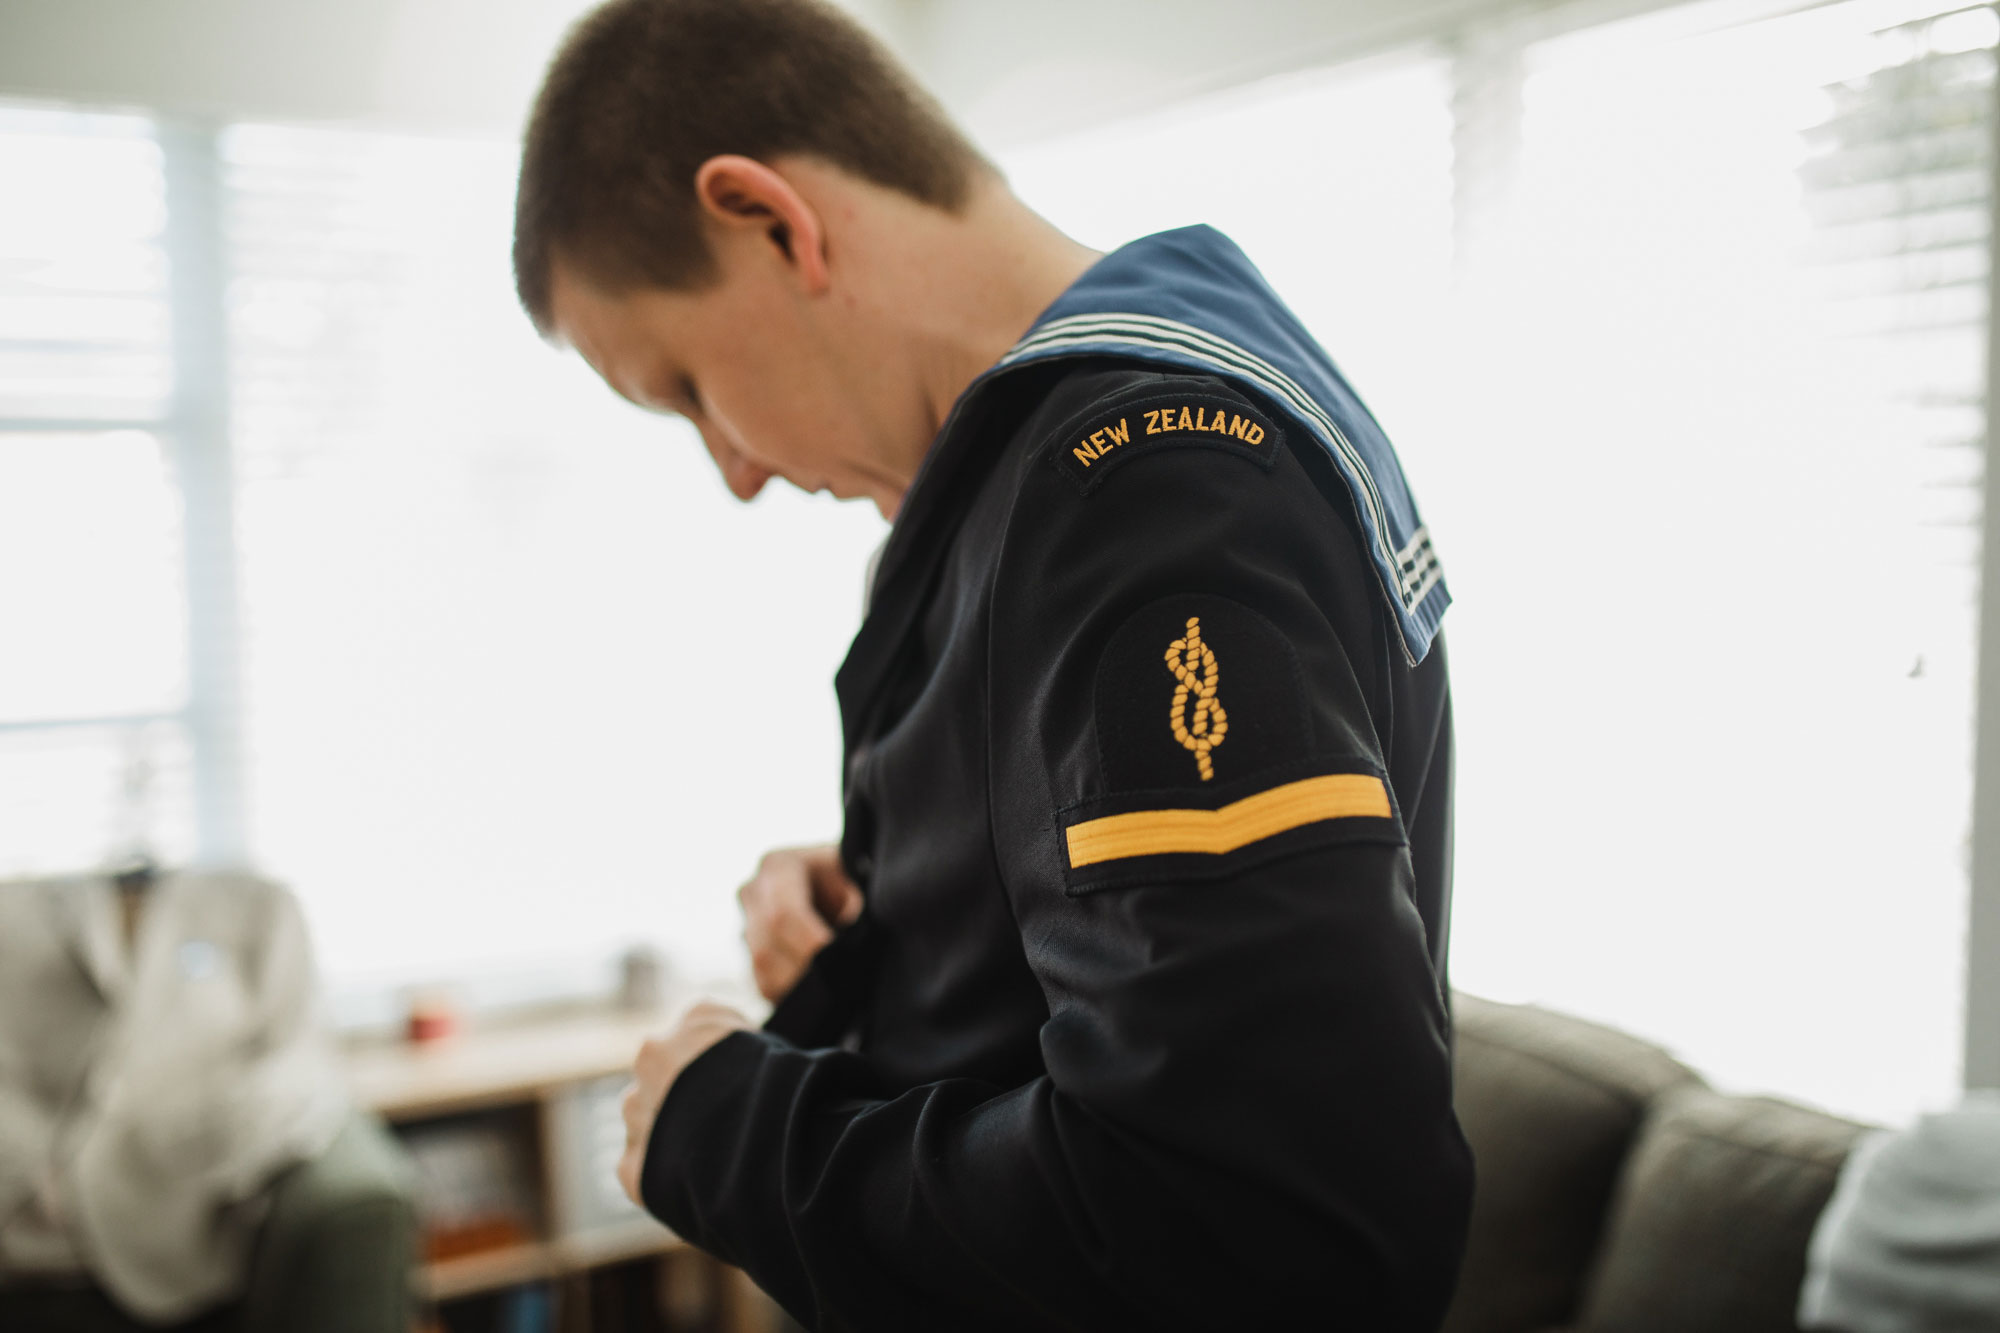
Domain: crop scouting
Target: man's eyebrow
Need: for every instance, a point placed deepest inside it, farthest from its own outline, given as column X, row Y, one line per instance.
column 667, row 391
column 617, row 381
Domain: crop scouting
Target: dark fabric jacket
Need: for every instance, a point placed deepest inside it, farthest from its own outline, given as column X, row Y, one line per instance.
column 1144, row 1025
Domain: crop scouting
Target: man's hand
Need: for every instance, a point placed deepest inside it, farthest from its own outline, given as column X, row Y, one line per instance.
column 790, row 909
column 660, row 1062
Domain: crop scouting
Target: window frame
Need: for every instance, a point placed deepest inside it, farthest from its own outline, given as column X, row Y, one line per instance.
column 195, row 431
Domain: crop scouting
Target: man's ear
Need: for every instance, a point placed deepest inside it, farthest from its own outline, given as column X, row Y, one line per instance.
column 737, row 191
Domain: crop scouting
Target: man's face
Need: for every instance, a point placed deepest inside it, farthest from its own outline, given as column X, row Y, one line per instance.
column 749, row 361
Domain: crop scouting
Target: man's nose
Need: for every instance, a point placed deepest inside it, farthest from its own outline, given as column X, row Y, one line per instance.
column 743, row 478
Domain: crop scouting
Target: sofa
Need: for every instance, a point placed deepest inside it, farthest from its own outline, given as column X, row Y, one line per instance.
column 1618, row 1193
column 334, row 1255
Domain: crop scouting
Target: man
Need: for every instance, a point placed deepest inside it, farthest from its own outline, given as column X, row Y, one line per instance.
column 1121, row 1002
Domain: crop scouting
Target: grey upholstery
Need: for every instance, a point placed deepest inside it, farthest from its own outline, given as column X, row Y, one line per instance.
column 1616, row 1193
column 335, row 1255
column 1713, row 1216
column 337, row 1252
column 1550, row 1104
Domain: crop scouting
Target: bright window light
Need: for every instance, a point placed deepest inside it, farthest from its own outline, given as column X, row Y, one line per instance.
column 1691, row 400
column 525, row 686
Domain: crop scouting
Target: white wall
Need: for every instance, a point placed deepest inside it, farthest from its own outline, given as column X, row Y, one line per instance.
column 1025, row 69
column 1029, row 68
column 1011, row 71
column 459, row 66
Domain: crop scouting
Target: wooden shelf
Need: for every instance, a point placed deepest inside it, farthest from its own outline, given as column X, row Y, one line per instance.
column 537, row 1261
column 614, row 1244
column 535, row 1077
column 403, row 1080
column 470, row 1274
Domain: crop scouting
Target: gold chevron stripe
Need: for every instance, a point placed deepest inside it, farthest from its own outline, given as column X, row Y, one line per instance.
column 1238, row 824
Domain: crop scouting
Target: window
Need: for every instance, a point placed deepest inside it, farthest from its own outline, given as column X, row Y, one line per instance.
column 506, row 708
column 95, row 756
column 1729, row 355
column 1678, row 322
column 1679, row 326
column 1337, row 184
column 502, row 712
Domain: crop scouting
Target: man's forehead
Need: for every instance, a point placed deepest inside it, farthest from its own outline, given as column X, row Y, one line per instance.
column 580, row 312
column 610, row 331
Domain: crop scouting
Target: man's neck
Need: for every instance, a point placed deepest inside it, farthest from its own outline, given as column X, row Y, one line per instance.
column 999, row 266
column 938, row 296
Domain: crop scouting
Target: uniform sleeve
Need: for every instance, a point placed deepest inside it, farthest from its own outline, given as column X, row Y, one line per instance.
column 1246, row 1117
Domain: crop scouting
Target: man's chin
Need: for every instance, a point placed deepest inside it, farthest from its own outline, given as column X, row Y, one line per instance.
column 885, row 505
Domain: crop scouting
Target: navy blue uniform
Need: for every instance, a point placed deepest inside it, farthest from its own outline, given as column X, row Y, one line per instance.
column 1144, row 1025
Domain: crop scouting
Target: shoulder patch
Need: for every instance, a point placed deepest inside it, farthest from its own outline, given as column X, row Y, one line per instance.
column 1207, row 754
column 1193, row 688
column 1093, row 444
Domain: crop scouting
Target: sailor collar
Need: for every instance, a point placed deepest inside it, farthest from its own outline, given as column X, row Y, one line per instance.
column 1187, row 299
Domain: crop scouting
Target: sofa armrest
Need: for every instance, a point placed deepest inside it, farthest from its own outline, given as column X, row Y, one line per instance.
column 337, row 1251
column 1713, row 1214
column 1551, row 1104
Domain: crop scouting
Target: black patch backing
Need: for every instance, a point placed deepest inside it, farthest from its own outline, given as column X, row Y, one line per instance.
column 1150, row 749
column 1090, row 446
column 1257, row 683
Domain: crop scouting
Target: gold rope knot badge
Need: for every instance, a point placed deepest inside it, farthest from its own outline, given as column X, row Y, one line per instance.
column 1193, row 665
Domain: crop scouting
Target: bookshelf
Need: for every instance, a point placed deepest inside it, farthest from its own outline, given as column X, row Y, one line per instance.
column 516, row 1132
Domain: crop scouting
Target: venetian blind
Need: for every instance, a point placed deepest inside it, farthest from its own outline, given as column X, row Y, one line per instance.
column 1713, row 521
column 95, row 760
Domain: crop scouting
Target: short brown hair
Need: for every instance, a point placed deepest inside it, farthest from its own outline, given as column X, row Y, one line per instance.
column 644, row 91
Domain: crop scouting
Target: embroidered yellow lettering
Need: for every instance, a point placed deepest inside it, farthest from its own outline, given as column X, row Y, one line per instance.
column 1184, row 418
column 1193, row 665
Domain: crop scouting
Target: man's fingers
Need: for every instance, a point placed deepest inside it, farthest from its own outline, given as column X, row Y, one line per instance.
column 800, row 933
column 791, row 908
column 775, row 976
column 836, row 897
column 706, row 1011
column 659, row 1062
column 638, row 1128
column 775, row 970
column 791, row 936
column 780, row 922
column 628, row 1174
column 847, row 909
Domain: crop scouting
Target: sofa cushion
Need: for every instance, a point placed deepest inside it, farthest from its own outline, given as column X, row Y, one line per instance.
column 1550, row 1104
column 337, row 1251
column 1712, row 1217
